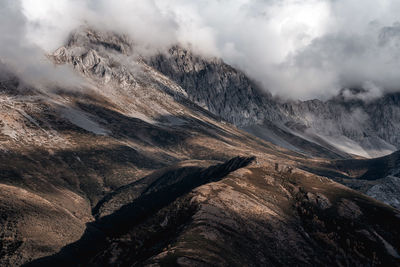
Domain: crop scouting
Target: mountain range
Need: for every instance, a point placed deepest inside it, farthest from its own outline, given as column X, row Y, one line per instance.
column 177, row 158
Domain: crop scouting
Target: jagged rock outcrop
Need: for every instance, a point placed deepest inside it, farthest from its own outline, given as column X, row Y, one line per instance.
column 217, row 86
column 352, row 126
column 342, row 126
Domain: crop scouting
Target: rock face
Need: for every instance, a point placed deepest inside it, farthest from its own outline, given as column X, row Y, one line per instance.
column 378, row 178
column 387, row 191
column 368, row 129
column 338, row 128
column 137, row 168
column 217, row 87
column 353, row 126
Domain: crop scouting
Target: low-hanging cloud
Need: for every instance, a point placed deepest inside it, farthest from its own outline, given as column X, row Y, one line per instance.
column 22, row 57
column 294, row 48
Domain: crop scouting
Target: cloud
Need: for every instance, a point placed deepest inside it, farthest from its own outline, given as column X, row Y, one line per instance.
column 294, row 48
column 50, row 22
column 19, row 55
column 368, row 92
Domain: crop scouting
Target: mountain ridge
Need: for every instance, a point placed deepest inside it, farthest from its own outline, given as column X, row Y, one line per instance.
column 245, row 104
column 132, row 132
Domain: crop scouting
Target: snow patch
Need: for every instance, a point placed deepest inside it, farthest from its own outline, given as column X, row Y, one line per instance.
column 141, row 116
column 265, row 133
column 345, row 144
column 82, row 120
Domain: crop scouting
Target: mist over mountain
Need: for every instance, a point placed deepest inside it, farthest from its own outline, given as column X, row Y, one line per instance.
column 199, row 133
column 296, row 49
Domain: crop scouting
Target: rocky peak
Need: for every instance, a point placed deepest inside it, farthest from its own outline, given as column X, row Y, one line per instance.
column 91, row 38
column 217, row 86
column 349, row 125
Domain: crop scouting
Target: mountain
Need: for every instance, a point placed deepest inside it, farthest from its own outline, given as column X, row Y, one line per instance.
column 340, row 125
column 379, row 177
column 148, row 162
column 340, row 128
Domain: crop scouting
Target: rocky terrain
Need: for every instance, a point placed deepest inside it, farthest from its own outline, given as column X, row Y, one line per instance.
column 377, row 177
column 147, row 163
column 340, row 128
column 350, row 125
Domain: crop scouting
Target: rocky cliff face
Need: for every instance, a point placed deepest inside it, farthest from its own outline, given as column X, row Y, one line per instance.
column 139, row 167
column 352, row 126
column 355, row 127
column 217, row 86
column 337, row 128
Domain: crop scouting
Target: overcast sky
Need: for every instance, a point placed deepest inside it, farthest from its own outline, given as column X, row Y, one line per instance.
column 295, row 48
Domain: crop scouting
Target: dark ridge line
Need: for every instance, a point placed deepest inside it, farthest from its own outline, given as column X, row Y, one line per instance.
column 96, row 234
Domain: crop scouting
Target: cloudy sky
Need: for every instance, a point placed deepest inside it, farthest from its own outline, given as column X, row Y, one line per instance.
column 294, row 48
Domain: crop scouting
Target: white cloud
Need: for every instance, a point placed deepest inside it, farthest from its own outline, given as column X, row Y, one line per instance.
column 22, row 56
column 295, row 48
